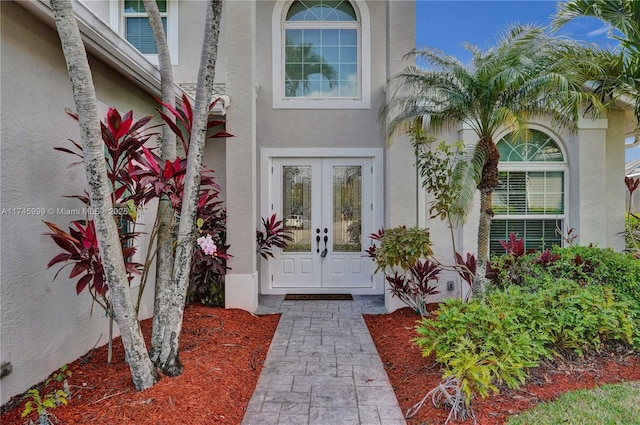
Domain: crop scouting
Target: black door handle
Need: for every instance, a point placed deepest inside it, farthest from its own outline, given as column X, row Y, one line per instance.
column 318, row 240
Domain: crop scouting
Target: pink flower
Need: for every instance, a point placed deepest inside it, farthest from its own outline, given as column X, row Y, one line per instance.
column 207, row 245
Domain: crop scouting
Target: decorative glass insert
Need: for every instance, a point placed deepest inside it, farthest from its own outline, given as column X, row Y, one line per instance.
column 321, row 50
column 137, row 28
column 347, row 209
column 539, row 148
column 321, row 10
column 296, row 206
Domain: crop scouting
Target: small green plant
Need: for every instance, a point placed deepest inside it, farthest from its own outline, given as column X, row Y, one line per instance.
column 403, row 257
column 401, row 247
column 46, row 401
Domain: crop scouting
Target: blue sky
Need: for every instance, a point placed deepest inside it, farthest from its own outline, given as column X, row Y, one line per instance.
column 448, row 24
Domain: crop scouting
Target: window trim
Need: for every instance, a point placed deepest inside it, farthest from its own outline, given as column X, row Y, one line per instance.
column 117, row 23
column 364, row 63
column 529, row 166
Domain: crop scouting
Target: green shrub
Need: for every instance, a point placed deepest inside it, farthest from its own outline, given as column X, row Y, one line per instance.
column 584, row 266
column 402, row 247
column 482, row 344
column 479, row 346
column 403, row 257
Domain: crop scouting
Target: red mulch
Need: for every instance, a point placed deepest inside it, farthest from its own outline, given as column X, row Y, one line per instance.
column 412, row 375
column 222, row 352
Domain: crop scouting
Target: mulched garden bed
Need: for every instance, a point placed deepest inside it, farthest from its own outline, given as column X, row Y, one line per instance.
column 222, row 354
column 412, row 375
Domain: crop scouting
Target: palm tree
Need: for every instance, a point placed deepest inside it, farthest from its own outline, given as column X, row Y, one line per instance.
column 526, row 75
column 301, row 62
column 622, row 76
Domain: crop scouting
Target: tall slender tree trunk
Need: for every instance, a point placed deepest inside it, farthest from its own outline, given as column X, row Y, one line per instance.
column 487, row 185
column 168, row 360
column 484, row 229
column 142, row 370
column 166, row 235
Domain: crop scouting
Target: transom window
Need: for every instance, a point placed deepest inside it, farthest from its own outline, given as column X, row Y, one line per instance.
column 530, row 199
column 319, row 55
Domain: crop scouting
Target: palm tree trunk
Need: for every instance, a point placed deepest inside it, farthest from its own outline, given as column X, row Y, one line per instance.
column 484, row 228
column 142, row 371
column 166, row 235
column 168, row 359
column 487, row 185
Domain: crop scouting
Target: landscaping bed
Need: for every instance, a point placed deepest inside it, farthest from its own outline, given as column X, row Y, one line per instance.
column 413, row 375
column 222, row 352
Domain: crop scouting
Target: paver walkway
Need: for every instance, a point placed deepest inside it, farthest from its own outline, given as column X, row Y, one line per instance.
column 322, row 367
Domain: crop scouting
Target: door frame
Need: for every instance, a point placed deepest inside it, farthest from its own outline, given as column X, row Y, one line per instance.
column 266, row 210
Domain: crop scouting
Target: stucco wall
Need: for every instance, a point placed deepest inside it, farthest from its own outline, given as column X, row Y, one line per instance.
column 44, row 324
column 286, row 128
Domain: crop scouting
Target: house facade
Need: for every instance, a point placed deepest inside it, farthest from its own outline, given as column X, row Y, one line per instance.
column 301, row 84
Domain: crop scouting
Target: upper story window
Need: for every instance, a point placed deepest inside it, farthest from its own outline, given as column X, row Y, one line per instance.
column 321, row 54
column 137, row 29
column 130, row 19
column 530, row 199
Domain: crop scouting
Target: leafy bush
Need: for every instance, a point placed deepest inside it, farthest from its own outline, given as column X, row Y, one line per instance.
column 402, row 256
column 485, row 343
column 401, row 247
column 479, row 346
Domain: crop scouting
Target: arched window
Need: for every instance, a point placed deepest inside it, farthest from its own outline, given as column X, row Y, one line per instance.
column 321, row 55
column 530, row 200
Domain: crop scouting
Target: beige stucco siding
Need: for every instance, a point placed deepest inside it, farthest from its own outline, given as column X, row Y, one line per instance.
column 328, row 128
column 44, row 324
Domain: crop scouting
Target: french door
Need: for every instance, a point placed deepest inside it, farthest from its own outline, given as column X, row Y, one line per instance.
column 327, row 207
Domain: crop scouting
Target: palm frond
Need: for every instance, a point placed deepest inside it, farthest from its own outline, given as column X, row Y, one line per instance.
column 466, row 176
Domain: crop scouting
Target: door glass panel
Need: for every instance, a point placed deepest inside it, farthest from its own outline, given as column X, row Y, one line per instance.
column 296, row 206
column 347, row 209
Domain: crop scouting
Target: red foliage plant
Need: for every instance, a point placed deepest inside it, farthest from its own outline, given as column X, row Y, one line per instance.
column 136, row 175
column 274, row 235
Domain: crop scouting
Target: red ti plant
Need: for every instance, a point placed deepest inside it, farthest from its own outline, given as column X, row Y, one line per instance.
column 184, row 117
column 515, row 246
column 274, row 235
column 80, row 246
column 466, row 268
column 123, row 138
column 546, row 258
column 414, row 287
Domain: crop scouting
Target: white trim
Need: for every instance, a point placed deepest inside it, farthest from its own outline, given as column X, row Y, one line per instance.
column 364, row 64
column 107, row 45
column 533, row 166
column 116, row 22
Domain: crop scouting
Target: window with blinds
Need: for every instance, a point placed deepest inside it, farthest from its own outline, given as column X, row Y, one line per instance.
column 530, row 199
column 137, row 29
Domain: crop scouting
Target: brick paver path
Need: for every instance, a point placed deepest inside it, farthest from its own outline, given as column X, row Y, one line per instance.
column 322, row 367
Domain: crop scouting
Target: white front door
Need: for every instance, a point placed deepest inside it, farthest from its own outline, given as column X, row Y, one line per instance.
column 327, row 206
